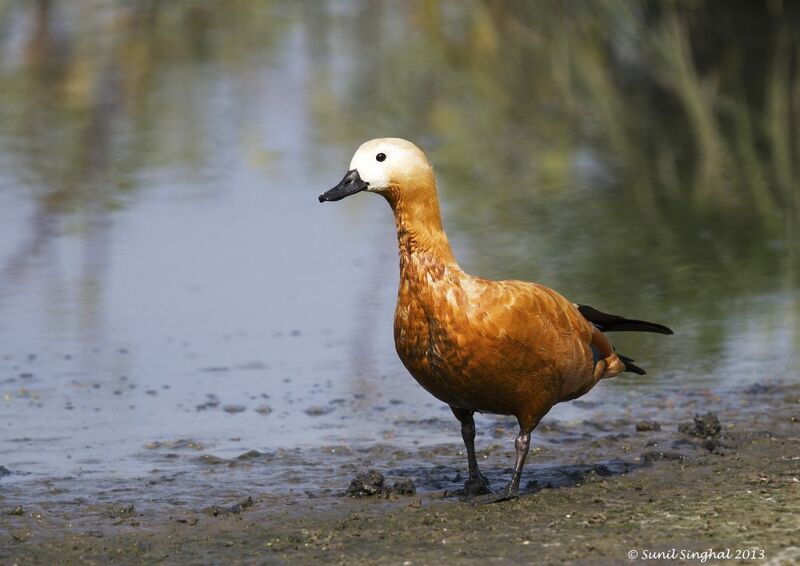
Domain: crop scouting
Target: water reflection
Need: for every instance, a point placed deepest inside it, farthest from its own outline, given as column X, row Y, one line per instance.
column 159, row 163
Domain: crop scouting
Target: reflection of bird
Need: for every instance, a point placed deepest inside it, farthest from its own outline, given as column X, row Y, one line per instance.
column 505, row 347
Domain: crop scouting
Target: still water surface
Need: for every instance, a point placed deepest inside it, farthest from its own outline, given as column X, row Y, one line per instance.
column 167, row 273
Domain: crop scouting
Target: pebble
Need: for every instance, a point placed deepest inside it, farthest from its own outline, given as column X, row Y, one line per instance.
column 366, row 484
column 646, row 426
column 703, row 426
column 318, row 410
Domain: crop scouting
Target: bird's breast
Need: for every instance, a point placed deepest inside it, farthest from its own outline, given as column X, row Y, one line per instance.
column 432, row 335
column 423, row 326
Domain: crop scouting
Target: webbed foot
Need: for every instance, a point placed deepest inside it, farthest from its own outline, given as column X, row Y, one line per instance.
column 477, row 484
column 509, row 492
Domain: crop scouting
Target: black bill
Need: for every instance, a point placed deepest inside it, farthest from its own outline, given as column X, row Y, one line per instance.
column 349, row 185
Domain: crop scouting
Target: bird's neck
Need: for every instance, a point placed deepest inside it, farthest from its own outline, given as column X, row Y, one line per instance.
column 420, row 235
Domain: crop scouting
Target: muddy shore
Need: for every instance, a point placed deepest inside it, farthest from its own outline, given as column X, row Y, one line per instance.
column 645, row 486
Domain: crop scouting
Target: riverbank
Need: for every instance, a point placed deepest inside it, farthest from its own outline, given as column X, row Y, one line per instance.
column 645, row 486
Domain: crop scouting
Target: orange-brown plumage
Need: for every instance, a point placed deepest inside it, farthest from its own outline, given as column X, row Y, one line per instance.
column 505, row 347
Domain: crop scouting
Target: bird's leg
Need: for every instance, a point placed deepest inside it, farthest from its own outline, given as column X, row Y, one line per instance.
column 477, row 483
column 511, row 491
column 522, row 445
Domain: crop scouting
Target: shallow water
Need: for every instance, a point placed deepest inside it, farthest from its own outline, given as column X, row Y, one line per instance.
column 166, row 272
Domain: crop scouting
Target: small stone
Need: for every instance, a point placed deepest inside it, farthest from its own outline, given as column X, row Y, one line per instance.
column 404, row 487
column 647, row 426
column 713, row 445
column 708, row 424
column 210, row 460
column 596, row 519
column 703, row 426
column 249, row 455
column 233, row 409
column 655, row 455
column 123, row 510
column 212, row 403
column 318, row 410
column 366, row 484
column 242, row 505
column 179, row 444
column 235, row 509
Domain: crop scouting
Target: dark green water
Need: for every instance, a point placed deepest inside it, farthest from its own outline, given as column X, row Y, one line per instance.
column 162, row 249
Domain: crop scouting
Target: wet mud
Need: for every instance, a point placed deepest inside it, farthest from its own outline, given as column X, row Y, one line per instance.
column 723, row 480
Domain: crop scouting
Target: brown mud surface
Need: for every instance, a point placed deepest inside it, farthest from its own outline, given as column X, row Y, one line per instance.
column 731, row 486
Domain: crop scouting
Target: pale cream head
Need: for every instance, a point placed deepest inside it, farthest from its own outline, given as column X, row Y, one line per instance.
column 387, row 162
column 399, row 171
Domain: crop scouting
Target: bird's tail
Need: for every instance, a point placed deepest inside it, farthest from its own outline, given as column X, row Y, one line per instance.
column 630, row 366
column 615, row 323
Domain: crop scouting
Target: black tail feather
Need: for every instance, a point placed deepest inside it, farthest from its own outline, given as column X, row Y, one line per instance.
column 630, row 366
column 615, row 323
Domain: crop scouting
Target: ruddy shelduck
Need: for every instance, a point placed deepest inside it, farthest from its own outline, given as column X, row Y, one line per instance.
column 504, row 347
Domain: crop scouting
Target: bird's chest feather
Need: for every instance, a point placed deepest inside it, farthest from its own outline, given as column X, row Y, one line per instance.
column 429, row 327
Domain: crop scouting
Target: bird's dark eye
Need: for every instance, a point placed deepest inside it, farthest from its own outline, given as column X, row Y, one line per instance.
column 381, row 157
